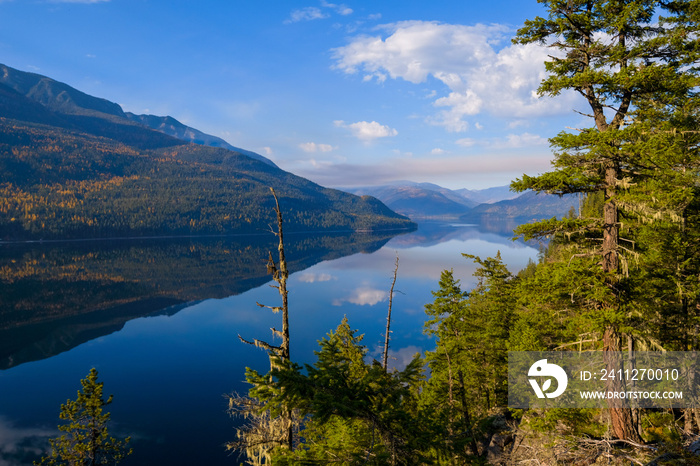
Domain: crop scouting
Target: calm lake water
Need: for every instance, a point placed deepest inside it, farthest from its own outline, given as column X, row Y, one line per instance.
column 160, row 321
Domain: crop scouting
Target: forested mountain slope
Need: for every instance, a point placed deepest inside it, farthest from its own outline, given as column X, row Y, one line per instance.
column 73, row 166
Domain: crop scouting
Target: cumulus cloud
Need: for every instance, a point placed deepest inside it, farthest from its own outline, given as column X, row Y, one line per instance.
column 313, row 147
column 367, row 130
column 482, row 74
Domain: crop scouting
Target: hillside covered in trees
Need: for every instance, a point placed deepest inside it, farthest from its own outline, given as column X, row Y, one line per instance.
column 74, row 166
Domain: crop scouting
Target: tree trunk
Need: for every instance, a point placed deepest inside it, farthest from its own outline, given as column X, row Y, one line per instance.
column 624, row 423
column 385, row 356
column 282, row 281
column 465, row 414
column 621, row 418
column 610, row 222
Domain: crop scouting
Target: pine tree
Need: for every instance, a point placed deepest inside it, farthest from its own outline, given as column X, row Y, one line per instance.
column 86, row 441
column 637, row 72
column 469, row 364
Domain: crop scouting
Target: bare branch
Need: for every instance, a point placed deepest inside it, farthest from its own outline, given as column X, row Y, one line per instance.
column 260, row 344
column 584, row 114
column 274, row 309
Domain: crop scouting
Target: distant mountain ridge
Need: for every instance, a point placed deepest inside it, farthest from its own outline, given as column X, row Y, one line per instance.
column 57, row 96
column 528, row 206
column 427, row 200
column 417, row 200
column 487, row 195
column 170, row 126
column 64, row 99
column 76, row 166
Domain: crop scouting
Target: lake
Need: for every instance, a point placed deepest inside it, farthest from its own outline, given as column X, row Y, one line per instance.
column 160, row 318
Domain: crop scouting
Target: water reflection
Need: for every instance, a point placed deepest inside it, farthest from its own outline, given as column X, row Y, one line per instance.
column 19, row 445
column 56, row 297
column 181, row 308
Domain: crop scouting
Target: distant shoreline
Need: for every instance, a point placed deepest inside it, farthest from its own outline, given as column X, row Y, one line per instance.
column 227, row 235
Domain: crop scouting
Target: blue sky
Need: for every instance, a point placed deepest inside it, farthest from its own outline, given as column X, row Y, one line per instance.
column 346, row 94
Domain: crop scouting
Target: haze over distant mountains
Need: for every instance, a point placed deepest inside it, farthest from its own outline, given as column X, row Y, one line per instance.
column 430, row 201
column 77, row 166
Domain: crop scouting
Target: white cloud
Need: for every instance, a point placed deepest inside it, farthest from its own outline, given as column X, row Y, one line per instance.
column 341, row 9
column 466, row 142
column 438, row 151
column 312, row 147
column 367, row 130
column 519, row 141
column 306, row 14
column 512, row 141
column 480, row 76
column 268, row 150
column 311, row 13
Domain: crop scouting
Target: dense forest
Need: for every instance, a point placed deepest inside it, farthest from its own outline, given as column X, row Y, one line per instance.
column 620, row 275
column 55, row 185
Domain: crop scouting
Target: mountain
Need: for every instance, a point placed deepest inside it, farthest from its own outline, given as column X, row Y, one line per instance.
column 170, row 126
column 418, row 200
column 427, row 200
column 76, row 166
column 57, row 96
column 453, row 195
column 527, row 207
column 488, row 195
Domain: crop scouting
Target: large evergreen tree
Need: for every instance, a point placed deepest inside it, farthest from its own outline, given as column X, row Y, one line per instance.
column 637, row 72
